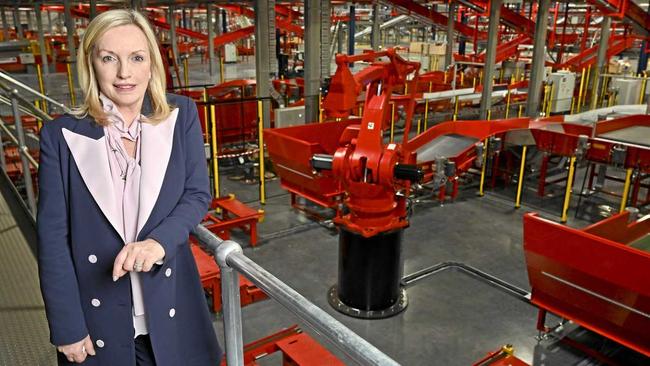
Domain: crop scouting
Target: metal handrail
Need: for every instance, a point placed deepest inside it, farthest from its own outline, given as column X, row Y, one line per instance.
column 15, row 82
column 230, row 258
column 22, row 150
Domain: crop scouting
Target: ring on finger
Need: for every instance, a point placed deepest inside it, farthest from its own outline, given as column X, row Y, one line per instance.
column 138, row 266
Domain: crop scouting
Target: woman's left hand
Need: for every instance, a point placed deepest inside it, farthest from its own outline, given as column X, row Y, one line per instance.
column 139, row 256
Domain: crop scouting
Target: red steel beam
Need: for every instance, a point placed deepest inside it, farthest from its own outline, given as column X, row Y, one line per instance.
column 412, row 8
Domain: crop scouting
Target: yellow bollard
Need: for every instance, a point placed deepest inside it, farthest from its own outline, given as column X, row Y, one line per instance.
column 520, row 183
column 582, row 83
column 456, row 109
column 186, row 72
column 626, row 189
column 392, row 121
column 521, row 111
column 73, row 98
column 507, row 104
column 215, row 150
column 484, row 157
column 489, row 116
column 462, row 78
column 419, row 125
column 260, row 130
column 41, row 86
column 569, row 186
column 205, row 113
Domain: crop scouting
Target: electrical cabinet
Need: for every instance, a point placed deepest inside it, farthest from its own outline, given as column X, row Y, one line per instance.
column 564, row 83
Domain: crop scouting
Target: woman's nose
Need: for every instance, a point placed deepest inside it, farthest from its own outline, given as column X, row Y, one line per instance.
column 123, row 71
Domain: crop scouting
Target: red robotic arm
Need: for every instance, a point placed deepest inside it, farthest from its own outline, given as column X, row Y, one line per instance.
column 371, row 171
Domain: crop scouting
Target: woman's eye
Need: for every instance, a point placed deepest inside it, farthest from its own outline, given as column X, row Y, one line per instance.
column 138, row 58
column 107, row 58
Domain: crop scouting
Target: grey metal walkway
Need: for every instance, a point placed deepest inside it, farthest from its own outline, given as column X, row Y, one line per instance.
column 24, row 335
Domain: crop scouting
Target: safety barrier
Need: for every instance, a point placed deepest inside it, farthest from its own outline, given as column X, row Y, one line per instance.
column 231, row 260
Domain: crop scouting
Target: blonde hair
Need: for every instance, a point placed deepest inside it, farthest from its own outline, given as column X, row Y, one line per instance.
column 157, row 85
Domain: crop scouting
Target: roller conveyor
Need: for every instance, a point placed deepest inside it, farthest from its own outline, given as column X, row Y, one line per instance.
column 447, row 146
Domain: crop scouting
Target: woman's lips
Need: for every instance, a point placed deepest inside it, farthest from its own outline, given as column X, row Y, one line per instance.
column 124, row 87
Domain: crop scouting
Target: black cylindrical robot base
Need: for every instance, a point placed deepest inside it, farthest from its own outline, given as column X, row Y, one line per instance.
column 370, row 271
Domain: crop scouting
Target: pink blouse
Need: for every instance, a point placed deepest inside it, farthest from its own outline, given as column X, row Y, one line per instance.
column 125, row 171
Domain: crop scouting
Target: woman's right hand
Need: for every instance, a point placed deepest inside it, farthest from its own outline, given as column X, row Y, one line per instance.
column 77, row 352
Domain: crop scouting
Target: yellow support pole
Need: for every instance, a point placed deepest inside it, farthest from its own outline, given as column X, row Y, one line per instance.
column 521, row 111
column 544, row 101
column 260, row 129
column 643, row 86
column 484, row 158
column 221, row 69
column 419, row 125
column 480, row 77
column 569, row 186
column 501, row 72
column 186, row 72
column 73, row 98
column 320, row 107
column 489, row 116
column 426, row 112
column 392, row 121
column 584, row 97
column 462, row 78
column 582, row 83
column 205, row 113
column 456, row 109
column 603, row 91
column 573, row 100
column 41, row 86
column 550, row 100
column 520, row 183
column 215, row 150
column 507, row 104
column 39, row 122
column 626, row 189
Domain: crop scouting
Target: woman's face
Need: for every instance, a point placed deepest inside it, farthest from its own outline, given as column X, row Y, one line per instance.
column 122, row 66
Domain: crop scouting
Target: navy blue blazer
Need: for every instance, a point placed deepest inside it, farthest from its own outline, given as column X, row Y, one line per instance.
column 80, row 235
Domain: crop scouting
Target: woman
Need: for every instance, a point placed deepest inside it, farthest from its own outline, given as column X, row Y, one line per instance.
column 123, row 180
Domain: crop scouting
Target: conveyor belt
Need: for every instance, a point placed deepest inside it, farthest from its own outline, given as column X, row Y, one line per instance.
column 24, row 335
column 638, row 135
column 444, row 146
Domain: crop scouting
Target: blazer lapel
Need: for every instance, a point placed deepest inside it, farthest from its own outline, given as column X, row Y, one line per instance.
column 92, row 161
column 155, row 151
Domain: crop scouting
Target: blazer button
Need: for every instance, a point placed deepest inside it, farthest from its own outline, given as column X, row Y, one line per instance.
column 92, row 258
column 168, row 272
column 95, row 302
column 99, row 343
column 172, row 312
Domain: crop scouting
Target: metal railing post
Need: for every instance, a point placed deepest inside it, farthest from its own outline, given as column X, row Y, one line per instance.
column 22, row 149
column 231, row 304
